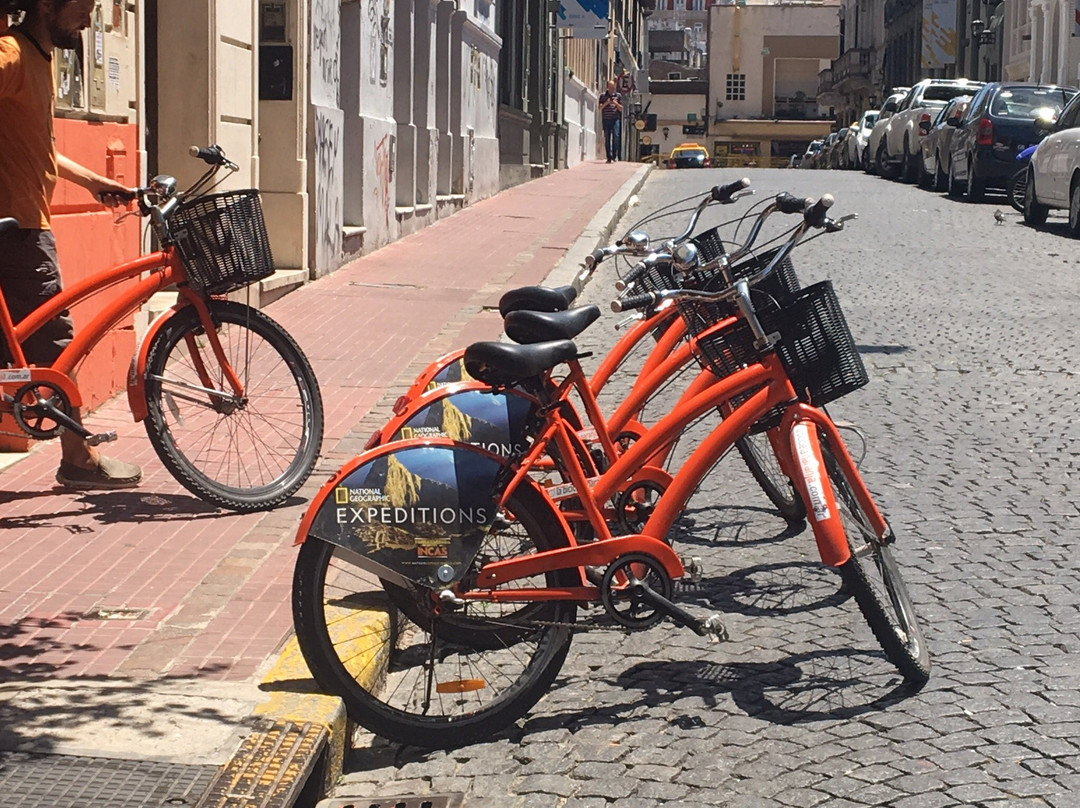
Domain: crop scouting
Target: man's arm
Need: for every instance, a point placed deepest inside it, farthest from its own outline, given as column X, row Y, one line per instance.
column 107, row 191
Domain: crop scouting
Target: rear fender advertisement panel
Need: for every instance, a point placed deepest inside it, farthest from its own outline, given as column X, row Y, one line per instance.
column 493, row 421
column 419, row 511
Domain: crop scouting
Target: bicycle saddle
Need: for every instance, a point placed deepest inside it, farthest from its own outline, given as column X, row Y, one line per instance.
column 537, row 298
column 528, row 327
column 501, row 364
column 8, row 224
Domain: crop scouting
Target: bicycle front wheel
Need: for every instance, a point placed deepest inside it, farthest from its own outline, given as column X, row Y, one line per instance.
column 425, row 679
column 873, row 577
column 757, row 452
column 247, row 452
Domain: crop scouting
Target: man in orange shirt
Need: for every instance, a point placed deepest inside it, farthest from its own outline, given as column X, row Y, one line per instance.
column 29, row 168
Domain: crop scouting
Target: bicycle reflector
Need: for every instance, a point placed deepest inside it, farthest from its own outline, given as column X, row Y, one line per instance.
column 460, row 686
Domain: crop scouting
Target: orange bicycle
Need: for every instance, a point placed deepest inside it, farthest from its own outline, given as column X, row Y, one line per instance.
column 229, row 401
column 483, row 569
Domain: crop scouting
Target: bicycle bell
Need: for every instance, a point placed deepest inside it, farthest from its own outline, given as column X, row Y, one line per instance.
column 686, row 255
column 637, row 239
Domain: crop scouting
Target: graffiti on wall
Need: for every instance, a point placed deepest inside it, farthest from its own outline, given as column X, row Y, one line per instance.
column 326, row 52
column 329, row 187
column 379, row 41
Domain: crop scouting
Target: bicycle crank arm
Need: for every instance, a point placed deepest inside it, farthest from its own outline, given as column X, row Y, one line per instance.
column 103, row 437
column 711, row 625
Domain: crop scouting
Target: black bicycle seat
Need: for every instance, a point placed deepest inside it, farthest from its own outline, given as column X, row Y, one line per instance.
column 528, row 327
column 501, row 364
column 537, row 298
column 8, row 224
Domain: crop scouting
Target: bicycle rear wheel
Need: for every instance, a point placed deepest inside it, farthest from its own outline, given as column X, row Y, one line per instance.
column 435, row 681
column 757, row 452
column 873, row 577
column 1015, row 189
column 248, row 453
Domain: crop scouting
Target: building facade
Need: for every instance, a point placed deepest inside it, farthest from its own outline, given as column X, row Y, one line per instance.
column 764, row 65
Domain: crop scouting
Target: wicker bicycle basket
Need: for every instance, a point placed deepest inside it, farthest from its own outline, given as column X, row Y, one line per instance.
column 816, row 346
column 222, row 241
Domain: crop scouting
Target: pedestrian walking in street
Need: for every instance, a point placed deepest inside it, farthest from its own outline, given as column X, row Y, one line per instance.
column 29, row 168
column 611, row 110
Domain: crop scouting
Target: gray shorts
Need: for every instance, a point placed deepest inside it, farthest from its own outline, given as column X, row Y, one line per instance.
column 30, row 275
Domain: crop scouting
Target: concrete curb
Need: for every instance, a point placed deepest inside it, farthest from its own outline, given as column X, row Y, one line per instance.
column 298, row 751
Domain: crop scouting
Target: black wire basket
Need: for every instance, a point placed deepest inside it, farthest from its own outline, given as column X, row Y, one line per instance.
column 222, row 241
column 774, row 291
column 816, row 346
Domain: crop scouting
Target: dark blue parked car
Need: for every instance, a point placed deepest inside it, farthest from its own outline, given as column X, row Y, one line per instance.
column 998, row 124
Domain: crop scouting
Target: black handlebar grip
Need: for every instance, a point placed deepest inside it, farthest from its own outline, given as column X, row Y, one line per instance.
column 816, row 214
column 211, row 155
column 128, row 195
column 789, row 203
column 631, row 277
column 634, row 302
column 723, row 193
column 598, row 255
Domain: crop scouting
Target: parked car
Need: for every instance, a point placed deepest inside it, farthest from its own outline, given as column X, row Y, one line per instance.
column 824, row 157
column 836, row 152
column 999, row 123
column 689, row 155
column 856, row 139
column 901, row 146
column 888, row 109
column 809, row 158
column 937, row 142
column 1053, row 179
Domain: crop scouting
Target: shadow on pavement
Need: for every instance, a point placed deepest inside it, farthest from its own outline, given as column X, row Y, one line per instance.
column 111, row 507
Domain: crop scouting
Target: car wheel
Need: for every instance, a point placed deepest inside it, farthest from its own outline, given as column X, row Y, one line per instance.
column 975, row 189
column 908, row 168
column 926, row 179
column 1034, row 213
column 868, row 164
column 884, row 168
column 954, row 187
column 941, row 179
column 1074, row 210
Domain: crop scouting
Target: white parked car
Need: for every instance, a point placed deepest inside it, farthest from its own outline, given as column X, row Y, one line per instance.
column 1054, row 171
column 888, row 109
column 857, row 137
column 900, row 151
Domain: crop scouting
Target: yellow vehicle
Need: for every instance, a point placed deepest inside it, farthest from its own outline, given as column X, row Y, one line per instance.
column 689, row 155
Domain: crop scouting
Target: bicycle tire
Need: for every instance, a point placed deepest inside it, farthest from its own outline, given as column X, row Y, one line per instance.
column 390, row 704
column 246, row 457
column 1015, row 189
column 873, row 578
column 757, row 452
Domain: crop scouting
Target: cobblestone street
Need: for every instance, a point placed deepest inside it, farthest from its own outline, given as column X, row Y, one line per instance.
column 968, row 437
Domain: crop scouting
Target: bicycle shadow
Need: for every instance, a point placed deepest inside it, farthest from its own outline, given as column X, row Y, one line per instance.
column 730, row 526
column 112, row 507
column 769, row 590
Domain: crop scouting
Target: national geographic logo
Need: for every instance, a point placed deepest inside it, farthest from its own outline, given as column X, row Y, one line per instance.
column 355, row 496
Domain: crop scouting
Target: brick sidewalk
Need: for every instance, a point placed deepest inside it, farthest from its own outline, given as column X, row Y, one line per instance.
column 212, row 588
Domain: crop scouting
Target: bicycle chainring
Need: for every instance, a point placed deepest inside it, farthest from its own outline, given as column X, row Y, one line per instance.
column 623, row 590
column 32, row 413
column 635, row 504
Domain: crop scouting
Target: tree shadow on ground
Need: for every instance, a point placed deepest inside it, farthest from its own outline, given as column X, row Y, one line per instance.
column 41, row 709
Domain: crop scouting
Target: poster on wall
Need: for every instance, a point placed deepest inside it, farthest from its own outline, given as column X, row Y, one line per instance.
column 587, row 19
column 938, row 33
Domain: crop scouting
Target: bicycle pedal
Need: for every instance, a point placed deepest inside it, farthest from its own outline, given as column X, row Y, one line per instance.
column 694, row 569
column 714, row 627
column 104, row 437
column 594, row 575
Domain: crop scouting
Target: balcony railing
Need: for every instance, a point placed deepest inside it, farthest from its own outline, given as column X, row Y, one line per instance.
column 853, row 63
column 825, row 81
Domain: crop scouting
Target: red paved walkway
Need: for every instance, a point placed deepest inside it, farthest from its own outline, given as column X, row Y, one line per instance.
column 215, row 585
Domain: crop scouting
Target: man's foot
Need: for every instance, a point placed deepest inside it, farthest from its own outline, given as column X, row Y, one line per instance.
column 107, row 475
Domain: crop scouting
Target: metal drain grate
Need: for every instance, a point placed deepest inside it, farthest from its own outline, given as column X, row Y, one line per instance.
column 30, row 780
column 454, row 800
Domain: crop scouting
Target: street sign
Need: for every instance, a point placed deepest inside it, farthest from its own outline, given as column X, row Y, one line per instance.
column 588, row 19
